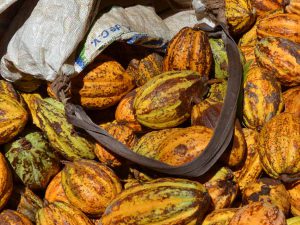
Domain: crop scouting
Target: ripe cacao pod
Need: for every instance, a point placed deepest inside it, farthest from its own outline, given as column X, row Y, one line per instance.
column 7, row 88
column 120, row 132
column 291, row 99
column 279, row 143
column 61, row 213
column 90, row 186
column 281, row 57
column 166, row 100
column 283, row 25
column 267, row 190
column 49, row 115
column 6, row 182
column 258, row 213
column 262, row 98
column 189, row 50
column 103, row 85
column 293, row 221
column 217, row 92
column 293, row 7
column 11, row 217
column 220, row 216
column 55, row 191
column 294, row 191
column 13, row 118
column 27, row 84
column 161, row 201
column 33, row 160
column 265, row 6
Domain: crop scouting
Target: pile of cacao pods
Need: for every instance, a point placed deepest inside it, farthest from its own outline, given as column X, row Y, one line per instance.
column 164, row 106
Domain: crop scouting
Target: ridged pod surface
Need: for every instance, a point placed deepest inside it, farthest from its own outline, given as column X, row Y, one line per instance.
column 189, row 50
column 293, row 7
column 27, row 84
column 293, row 221
column 8, row 89
column 294, row 191
column 220, row 58
column 33, row 160
column 49, row 115
column 264, row 6
column 90, row 186
column 6, row 182
column 280, row 56
column 258, row 213
column 121, row 133
column 58, row 213
column 102, row 86
column 13, row 118
column 166, row 100
column 239, row 14
column 11, row 217
column 220, row 216
column 279, row 143
column 284, row 25
column 262, row 98
column 161, row 202
column 217, row 92
column 291, row 99
column 55, row 191
column 267, row 190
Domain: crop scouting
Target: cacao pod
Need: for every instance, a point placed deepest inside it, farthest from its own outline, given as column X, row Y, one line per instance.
column 55, row 191
column 281, row 57
column 220, row 58
column 189, row 50
column 166, row 100
column 283, row 25
column 279, row 143
column 90, row 186
column 293, row 221
column 262, row 98
column 120, row 132
column 291, row 99
column 220, row 216
column 102, row 86
column 49, row 115
column 11, row 217
column 265, row 6
column 161, row 201
column 267, row 190
column 27, row 83
column 33, row 160
column 240, row 15
column 61, row 213
column 293, row 7
column 13, row 118
column 217, row 92
column 294, row 191
column 7, row 88
column 258, row 213
column 6, row 182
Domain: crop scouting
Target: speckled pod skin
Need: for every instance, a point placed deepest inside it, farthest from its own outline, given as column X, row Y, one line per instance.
column 283, row 25
column 11, row 217
column 189, row 50
column 220, row 216
column 102, row 86
column 33, row 160
column 240, row 15
column 13, row 118
column 217, row 92
column 258, row 213
column 262, row 98
column 279, row 143
column 263, row 7
column 267, row 190
column 294, row 191
column 220, row 58
column 291, row 99
column 161, row 202
column 90, row 186
column 55, row 191
column 6, row 182
column 58, row 213
column 293, row 7
column 8, row 89
column 281, row 57
column 166, row 100
column 49, row 115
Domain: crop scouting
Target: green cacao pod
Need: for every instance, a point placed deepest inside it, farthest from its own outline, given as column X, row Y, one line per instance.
column 220, row 216
column 267, row 190
column 279, row 143
column 11, row 217
column 262, row 98
column 217, row 92
column 281, row 57
column 220, row 58
column 90, row 186
column 57, row 213
column 6, row 182
column 13, row 118
column 49, row 115
column 161, row 201
column 291, row 99
column 33, row 160
column 293, row 221
column 166, row 100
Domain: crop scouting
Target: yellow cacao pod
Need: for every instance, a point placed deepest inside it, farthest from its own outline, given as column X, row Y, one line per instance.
column 13, row 118
column 267, row 190
column 279, row 143
column 291, row 99
column 8, row 89
column 189, row 50
column 262, row 98
column 220, row 216
column 294, row 191
column 27, row 84
column 90, row 186
column 11, row 217
column 55, row 191
column 161, row 201
column 293, row 7
column 6, row 183
column 265, row 6
column 293, row 221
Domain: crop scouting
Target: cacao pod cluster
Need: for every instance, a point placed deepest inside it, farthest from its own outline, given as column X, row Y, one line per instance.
column 164, row 106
